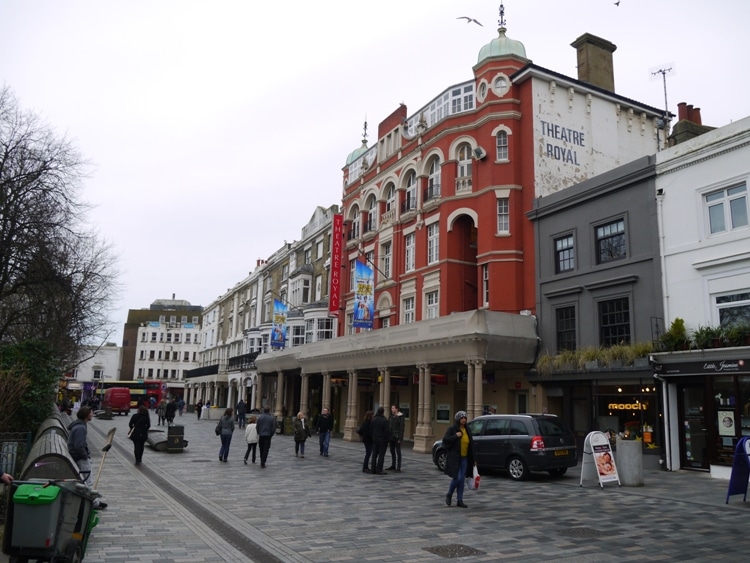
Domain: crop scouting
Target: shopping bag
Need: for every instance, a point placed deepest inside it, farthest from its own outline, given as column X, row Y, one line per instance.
column 130, row 433
column 218, row 428
column 473, row 481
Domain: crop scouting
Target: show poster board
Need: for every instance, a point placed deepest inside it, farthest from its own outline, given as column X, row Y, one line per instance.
column 598, row 460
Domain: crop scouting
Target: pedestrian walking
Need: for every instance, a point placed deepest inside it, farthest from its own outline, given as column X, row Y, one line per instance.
column 365, row 432
column 301, row 434
column 380, row 438
column 241, row 414
column 161, row 412
column 266, row 426
column 170, row 411
column 396, row 426
column 139, row 424
column 79, row 449
column 251, row 437
column 460, row 447
column 180, row 406
column 198, row 408
column 323, row 429
column 226, row 428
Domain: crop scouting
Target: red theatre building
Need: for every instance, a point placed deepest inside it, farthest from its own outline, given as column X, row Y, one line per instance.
column 438, row 254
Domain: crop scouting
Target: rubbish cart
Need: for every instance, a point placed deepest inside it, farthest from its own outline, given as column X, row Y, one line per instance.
column 49, row 520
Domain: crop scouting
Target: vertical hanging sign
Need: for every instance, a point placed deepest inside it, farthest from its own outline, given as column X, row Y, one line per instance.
column 334, row 274
column 364, row 308
column 278, row 333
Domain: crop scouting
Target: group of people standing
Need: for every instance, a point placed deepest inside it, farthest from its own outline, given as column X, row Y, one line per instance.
column 166, row 412
column 378, row 433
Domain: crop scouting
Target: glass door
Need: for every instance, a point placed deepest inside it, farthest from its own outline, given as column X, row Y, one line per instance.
column 693, row 430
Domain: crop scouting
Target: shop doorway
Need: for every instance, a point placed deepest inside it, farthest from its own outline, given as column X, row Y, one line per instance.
column 693, row 429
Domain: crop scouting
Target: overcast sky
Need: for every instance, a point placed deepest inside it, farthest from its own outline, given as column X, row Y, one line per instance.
column 216, row 127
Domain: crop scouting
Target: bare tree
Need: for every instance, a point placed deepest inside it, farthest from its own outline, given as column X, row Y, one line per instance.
column 57, row 278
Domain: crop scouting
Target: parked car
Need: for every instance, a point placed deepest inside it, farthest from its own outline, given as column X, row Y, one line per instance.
column 519, row 444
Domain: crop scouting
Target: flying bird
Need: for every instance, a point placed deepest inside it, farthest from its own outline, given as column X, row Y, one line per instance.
column 469, row 20
column 617, row 3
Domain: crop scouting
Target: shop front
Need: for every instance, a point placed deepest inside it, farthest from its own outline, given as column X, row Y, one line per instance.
column 706, row 405
column 623, row 403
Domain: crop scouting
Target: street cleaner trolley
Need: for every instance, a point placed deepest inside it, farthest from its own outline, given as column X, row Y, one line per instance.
column 49, row 520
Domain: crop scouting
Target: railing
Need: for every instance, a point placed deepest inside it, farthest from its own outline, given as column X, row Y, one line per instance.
column 243, row 362
column 463, row 184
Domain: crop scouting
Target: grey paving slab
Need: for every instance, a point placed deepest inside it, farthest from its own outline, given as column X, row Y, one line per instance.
column 191, row 507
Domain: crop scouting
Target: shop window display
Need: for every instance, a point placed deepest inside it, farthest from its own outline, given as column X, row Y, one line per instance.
column 629, row 412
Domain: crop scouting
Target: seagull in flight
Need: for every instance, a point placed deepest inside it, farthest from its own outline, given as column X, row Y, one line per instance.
column 469, row 20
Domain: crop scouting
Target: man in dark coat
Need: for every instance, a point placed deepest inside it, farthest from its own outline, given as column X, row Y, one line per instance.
column 460, row 459
column 396, row 425
column 266, row 426
column 381, row 435
column 324, row 427
column 170, row 411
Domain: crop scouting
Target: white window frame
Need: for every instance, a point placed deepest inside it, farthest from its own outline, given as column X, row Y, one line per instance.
column 408, row 308
column 485, row 285
column 432, row 304
column 390, row 197
column 386, row 249
column 464, row 161
column 433, row 243
column 729, row 200
column 503, row 215
column 501, row 145
column 410, row 252
column 410, row 199
column 433, row 179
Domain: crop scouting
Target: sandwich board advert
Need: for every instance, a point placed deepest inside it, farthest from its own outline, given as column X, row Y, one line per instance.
column 598, row 460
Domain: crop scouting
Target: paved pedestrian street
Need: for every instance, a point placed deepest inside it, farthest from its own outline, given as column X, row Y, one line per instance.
column 190, row 507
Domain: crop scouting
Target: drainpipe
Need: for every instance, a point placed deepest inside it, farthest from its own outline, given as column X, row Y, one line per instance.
column 667, row 462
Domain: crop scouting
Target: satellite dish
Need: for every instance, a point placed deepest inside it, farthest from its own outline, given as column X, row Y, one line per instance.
column 480, row 153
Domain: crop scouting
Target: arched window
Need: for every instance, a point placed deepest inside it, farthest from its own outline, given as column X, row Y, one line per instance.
column 410, row 201
column 355, row 230
column 502, row 145
column 390, row 197
column 433, row 180
column 464, row 161
column 372, row 214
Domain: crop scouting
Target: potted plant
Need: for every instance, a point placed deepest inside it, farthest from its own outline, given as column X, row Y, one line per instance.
column 676, row 337
column 706, row 337
column 734, row 336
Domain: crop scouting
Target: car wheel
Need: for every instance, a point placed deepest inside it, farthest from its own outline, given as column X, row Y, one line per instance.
column 559, row 472
column 440, row 460
column 517, row 469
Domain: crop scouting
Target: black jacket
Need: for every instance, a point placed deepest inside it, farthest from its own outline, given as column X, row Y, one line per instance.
column 324, row 424
column 452, row 445
column 381, row 434
column 365, row 431
column 140, row 424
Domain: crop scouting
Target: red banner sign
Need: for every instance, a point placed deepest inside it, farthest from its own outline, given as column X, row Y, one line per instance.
column 334, row 276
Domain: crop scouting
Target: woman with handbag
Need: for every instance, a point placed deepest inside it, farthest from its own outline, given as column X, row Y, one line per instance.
column 459, row 444
column 301, row 433
column 139, row 424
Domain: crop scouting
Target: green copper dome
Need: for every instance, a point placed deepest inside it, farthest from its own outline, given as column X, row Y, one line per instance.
column 501, row 46
column 356, row 153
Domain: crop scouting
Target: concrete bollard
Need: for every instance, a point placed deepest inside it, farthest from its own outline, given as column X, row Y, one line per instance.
column 629, row 460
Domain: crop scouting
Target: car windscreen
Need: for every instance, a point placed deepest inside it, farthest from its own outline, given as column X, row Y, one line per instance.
column 552, row 427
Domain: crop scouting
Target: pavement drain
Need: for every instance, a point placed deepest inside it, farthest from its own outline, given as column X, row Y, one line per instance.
column 583, row 532
column 453, row 550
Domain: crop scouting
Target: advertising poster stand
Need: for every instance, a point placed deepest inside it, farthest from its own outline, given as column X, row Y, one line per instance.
column 598, row 461
column 740, row 470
